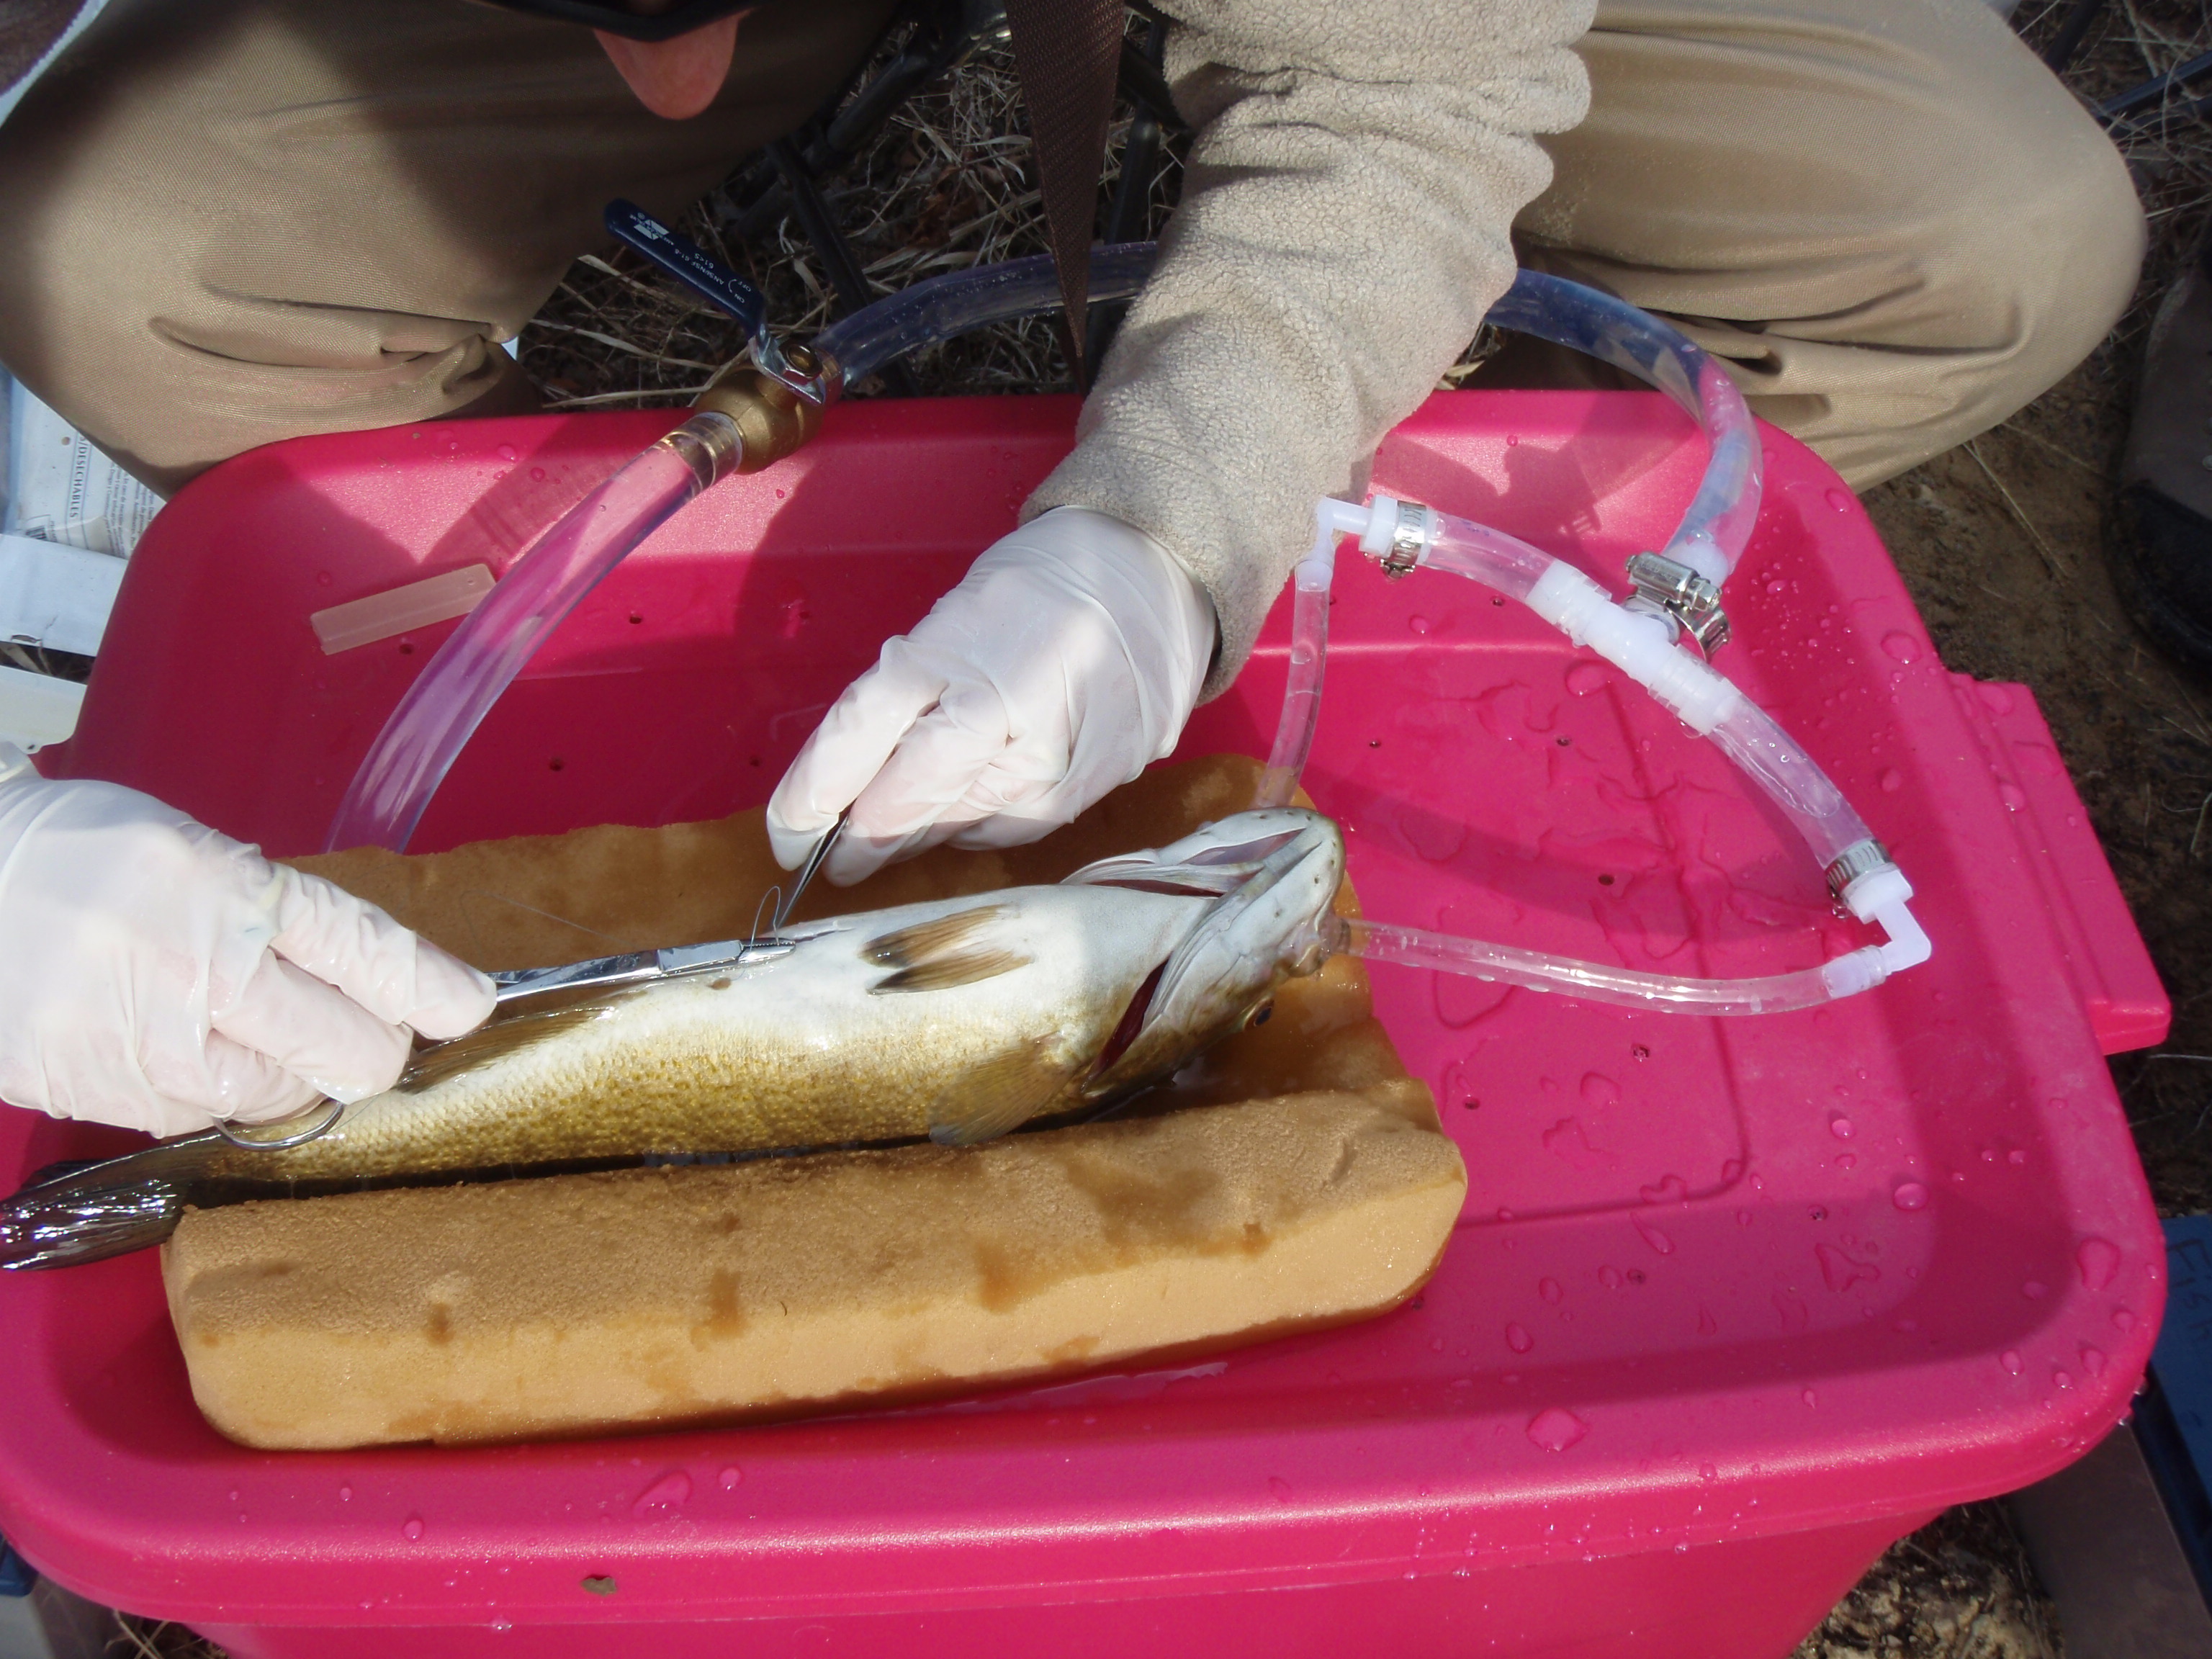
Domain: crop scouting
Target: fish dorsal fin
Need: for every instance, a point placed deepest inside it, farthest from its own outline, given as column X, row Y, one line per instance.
column 1000, row 1095
column 433, row 1065
column 940, row 954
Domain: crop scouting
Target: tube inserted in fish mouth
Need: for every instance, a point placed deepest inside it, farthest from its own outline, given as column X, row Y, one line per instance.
column 959, row 1019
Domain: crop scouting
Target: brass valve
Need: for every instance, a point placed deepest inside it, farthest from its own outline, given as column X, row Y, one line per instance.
column 772, row 419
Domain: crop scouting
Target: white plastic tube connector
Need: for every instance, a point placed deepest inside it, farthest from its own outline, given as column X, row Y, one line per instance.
column 1639, row 646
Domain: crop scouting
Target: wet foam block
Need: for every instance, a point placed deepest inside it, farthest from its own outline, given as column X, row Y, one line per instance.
column 1294, row 1177
column 648, row 1297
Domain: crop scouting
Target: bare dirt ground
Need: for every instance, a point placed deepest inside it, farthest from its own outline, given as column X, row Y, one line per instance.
column 2002, row 542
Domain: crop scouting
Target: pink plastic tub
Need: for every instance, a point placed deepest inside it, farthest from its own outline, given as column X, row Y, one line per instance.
column 1733, row 1305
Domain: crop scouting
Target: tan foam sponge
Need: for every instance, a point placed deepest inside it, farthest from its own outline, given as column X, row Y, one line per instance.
column 1296, row 1177
column 667, row 1296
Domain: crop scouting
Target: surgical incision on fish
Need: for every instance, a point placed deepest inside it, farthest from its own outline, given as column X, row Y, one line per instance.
column 959, row 1019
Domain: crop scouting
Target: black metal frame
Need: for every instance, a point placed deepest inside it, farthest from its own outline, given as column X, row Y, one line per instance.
column 787, row 176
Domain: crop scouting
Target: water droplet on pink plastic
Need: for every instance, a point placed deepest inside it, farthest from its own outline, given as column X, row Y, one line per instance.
column 1841, row 1271
column 2093, row 1360
column 1651, row 1236
column 1518, row 1340
column 1417, row 624
column 1555, row 1429
column 1910, row 1195
column 671, row 1491
column 1847, row 1161
column 1671, row 1189
column 1841, row 1126
column 506, row 452
column 2099, row 1259
column 233, row 1494
column 1598, row 1090
column 1892, row 780
column 2035, row 1289
column 2010, row 1360
column 1609, row 1277
column 1743, row 1218
column 1995, row 698
column 2013, row 796
column 1585, row 678
column 2063, row 1379
column 2016, row 1158
column 731, row 1478
column 412, row 1527
column 1840, row 499
column 1280, row 1487
column 1550, row 1291
column 1707, row 1471
column 345, row 1494
column 1810, row 1398
column 2122, row 1320
column 1902, row 646
column 537, row 475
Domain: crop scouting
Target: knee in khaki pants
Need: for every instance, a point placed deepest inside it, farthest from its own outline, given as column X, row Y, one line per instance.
column 1886, row 216
column 240, row 221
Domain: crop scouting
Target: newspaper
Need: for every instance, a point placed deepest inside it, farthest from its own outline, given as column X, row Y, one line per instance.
column 61, row 488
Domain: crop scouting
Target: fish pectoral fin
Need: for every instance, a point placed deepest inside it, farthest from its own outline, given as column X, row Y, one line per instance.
column 938, row 955
column 957, row 967
column 500, row 1036
column 1001, row 1094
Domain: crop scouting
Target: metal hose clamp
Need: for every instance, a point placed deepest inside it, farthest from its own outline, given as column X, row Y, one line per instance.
column 1408, row 536
column 1670, row 589
column 1858, row 859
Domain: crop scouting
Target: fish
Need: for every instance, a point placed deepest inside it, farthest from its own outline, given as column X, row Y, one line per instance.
column 958, row 1020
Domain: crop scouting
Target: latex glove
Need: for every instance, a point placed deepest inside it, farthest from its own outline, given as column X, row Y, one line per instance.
column 157, row 975
column 1065, row 662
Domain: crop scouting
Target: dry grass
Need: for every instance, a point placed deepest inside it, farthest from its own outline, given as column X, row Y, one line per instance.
column 1960, row 1588
column 157, row 1639
column 946, row 185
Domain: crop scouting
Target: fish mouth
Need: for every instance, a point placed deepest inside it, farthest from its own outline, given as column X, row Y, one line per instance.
column 1273, row 876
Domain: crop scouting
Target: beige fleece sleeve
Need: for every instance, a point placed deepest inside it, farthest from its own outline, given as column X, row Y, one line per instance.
column 1355, row 170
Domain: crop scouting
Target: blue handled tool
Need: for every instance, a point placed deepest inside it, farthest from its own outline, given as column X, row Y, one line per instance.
column 715, row 283
column 689, row 263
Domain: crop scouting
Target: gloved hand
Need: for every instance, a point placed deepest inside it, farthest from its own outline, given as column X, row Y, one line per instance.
column 157, row 975
column 1065, row 661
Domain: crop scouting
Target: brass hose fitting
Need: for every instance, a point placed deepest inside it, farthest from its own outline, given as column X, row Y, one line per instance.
column 771, row 418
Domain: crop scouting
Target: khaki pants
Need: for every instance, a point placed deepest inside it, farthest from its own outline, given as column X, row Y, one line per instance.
column 237, row 220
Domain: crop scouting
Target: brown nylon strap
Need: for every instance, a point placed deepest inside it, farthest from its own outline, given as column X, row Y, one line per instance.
column 1066, row 52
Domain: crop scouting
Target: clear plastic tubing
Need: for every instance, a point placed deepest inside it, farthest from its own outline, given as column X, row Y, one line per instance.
column 439, row 714
column 1593, row 981
column 947, row 305
column 1644, row 648
column 447, row 701
column 1711, row 537
column 450, row 697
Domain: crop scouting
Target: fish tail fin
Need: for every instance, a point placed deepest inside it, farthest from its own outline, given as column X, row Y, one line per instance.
column 1001, row 1095
column 88, row 1212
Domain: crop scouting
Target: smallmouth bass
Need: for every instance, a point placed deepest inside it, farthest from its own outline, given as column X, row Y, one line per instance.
column 959, row 1019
